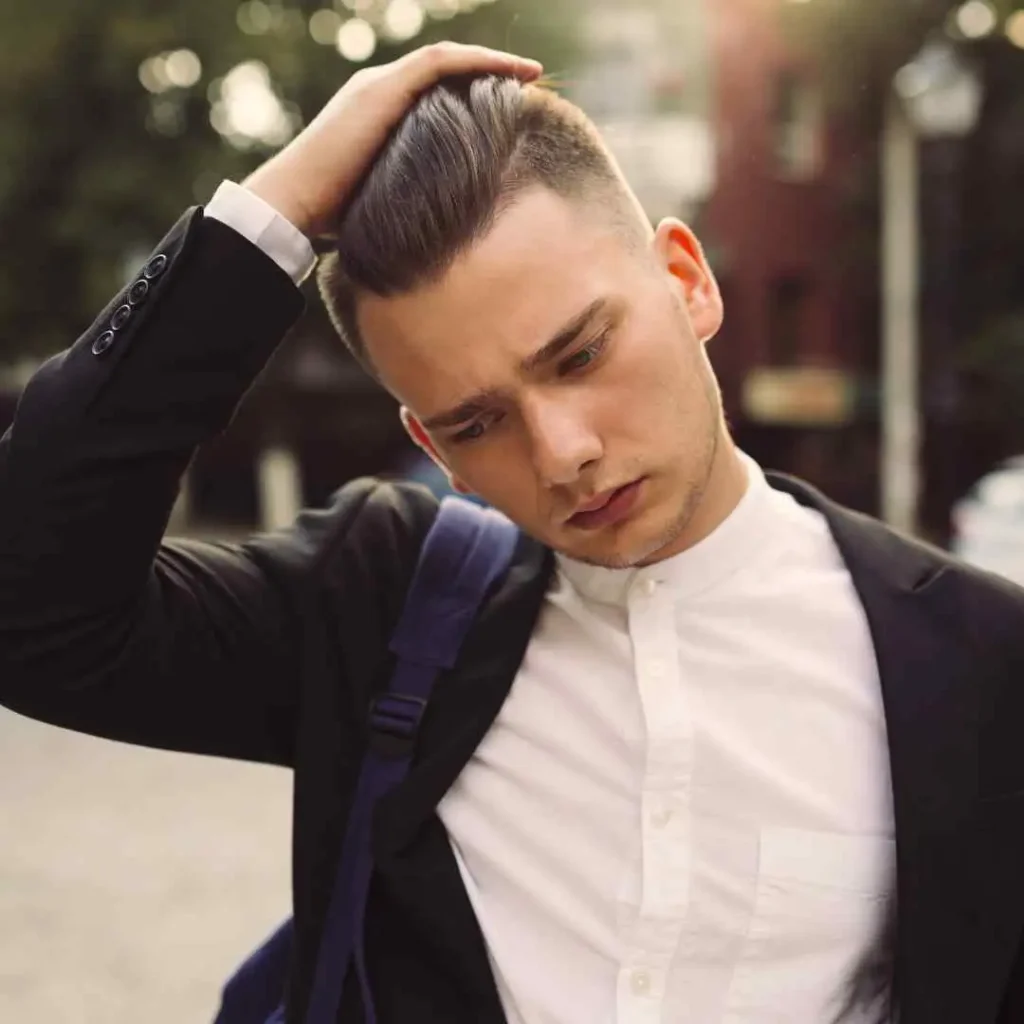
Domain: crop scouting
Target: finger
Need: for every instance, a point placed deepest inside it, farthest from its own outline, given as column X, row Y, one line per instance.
column 518, row 67
column 441, row 60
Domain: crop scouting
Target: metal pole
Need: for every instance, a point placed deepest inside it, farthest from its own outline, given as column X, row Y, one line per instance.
column 901, row 430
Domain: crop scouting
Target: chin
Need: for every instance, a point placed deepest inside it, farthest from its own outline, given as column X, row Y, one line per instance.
column 653, row 538
column 604, row 559
column 649, row 536
column 638, row 543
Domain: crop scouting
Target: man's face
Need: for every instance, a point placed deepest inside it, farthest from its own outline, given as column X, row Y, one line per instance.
column 558, row 371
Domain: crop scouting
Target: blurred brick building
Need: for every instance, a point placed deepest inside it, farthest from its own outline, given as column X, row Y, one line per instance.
column 785, row 225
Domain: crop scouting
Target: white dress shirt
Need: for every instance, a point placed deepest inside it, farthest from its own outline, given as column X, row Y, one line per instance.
column 682, row 814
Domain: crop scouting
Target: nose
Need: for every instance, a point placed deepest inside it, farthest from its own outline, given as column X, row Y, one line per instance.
column 563, row 443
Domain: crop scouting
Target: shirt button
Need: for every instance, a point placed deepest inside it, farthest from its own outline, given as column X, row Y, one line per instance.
column 659, row 819
column 650, row 587
column 640, row 983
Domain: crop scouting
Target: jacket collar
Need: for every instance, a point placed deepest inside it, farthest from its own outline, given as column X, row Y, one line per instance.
column 868, row 547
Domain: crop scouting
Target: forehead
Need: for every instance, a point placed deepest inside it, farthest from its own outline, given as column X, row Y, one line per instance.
column 544, row 261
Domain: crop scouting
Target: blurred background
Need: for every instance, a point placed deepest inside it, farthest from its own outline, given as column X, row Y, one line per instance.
column 855, row 169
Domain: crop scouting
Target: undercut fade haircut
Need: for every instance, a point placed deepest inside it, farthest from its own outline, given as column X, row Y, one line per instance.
column 463, row 154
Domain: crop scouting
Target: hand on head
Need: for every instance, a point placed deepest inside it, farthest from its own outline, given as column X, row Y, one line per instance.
column 311, row 179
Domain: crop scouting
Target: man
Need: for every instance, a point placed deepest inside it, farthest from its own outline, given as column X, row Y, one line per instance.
column 716, row 752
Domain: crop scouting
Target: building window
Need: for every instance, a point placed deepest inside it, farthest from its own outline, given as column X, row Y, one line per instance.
column 787, row 320
column 798, row 127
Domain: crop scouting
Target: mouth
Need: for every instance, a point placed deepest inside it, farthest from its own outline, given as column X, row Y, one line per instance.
column 607, row 508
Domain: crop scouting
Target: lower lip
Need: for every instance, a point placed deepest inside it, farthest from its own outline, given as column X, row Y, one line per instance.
column 618, row 508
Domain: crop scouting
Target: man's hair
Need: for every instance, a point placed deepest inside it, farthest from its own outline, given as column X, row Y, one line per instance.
column 466, row 150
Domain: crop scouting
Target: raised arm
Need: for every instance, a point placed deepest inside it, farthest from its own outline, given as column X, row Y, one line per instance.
column 104, row 628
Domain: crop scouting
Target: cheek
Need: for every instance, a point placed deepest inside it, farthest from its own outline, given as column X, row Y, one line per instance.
column 662, row 396
column 493, row 469
column 661, row 367
column 502, row 473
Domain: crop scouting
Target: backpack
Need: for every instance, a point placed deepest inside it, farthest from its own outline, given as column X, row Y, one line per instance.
column 466, row 550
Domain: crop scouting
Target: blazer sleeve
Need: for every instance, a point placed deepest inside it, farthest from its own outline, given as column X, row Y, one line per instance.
column 104, row 628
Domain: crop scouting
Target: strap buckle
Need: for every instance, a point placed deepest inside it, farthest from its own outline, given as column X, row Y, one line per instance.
column 395, row 722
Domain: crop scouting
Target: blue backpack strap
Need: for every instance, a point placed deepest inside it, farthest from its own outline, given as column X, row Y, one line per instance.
column 256, row 987
column 465, row 552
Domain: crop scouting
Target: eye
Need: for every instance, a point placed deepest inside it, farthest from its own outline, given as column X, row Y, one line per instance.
column 477, row 429
column 585, row 356
column 471, row 433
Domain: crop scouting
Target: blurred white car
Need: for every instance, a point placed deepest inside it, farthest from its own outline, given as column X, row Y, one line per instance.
column 989, row 522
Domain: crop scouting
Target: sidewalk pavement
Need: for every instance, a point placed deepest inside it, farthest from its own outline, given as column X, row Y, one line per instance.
column 131, row 881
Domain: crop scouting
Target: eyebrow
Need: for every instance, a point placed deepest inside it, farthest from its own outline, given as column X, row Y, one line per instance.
column 475, row 404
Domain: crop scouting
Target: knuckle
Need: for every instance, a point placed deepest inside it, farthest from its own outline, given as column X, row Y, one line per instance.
column 441, row 53
column 365, row 79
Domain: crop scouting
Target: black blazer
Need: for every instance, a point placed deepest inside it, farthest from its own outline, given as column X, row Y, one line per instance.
column 269, row 651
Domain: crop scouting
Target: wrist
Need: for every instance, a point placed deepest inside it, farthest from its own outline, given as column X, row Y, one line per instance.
column 270, row 184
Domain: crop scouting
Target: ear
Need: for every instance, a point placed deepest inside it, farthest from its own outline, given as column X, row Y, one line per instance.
column 682, row 256
column 421, row 438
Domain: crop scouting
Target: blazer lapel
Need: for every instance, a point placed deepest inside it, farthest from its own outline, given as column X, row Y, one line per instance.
column 944, row 940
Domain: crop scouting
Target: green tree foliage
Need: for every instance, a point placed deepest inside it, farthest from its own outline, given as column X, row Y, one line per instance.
column 94, row 168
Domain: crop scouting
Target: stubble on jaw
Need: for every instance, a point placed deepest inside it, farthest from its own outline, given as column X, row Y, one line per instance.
column 691, row 501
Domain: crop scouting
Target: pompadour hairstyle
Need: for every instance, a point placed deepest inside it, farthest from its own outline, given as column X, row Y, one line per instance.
column 463, row 154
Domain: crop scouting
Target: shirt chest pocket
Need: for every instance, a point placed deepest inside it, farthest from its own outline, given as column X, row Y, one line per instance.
column 815, row 951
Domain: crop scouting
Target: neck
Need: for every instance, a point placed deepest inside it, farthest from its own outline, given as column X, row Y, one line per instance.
column 726, row 484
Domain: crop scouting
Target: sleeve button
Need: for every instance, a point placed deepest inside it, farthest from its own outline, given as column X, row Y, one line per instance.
column 155, row 267
column 121, row 316
column 103, row 343
column 138, row 292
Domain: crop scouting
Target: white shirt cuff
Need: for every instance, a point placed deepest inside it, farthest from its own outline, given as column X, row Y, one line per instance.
column 255, row 219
